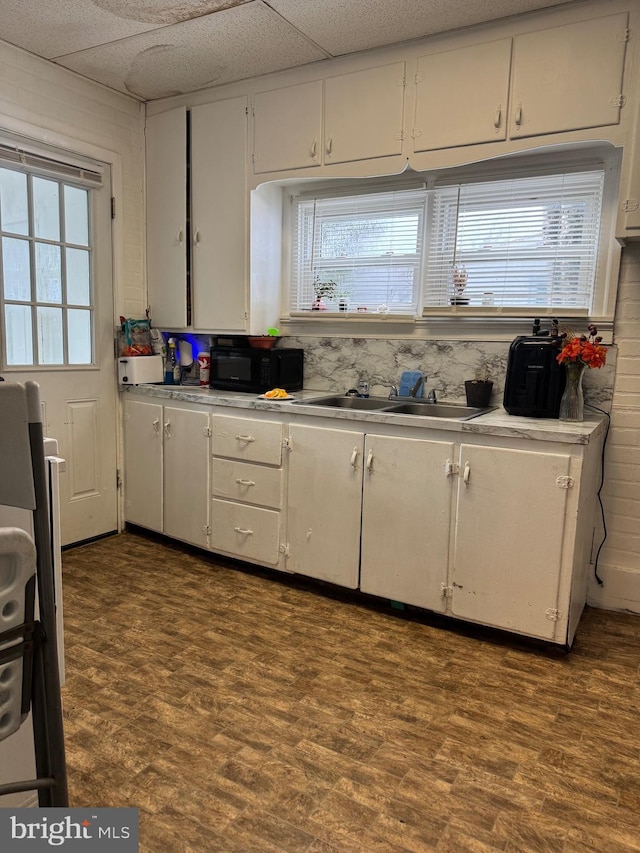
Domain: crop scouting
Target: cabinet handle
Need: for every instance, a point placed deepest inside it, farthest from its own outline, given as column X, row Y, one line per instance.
column 243, row 531
column 156, row 426
column 245, row 482
column 314, row 149
column 246, row 438
column 180, row 237
column 497, row 119
column 370, row 461
column 467, row 473
column 354, row 458
column 329, row 145
column 518, row 118
column 196, row 238
column 167, row 429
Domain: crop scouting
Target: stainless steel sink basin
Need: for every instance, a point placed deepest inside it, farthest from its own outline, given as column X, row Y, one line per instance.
column 437, row 410
column 342, row 402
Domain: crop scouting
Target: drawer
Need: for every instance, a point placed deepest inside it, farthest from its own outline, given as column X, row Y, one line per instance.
column 247, row 439
column 241, row 481
column 246, row 532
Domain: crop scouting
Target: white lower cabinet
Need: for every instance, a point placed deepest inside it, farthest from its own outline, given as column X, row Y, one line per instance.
column 406, row 518
column 324, row 503
column 509, row 539
column 166, row 470
column 247, row 488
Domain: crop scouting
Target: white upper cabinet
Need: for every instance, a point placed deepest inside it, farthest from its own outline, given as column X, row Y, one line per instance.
column 287, row 128
column 363, row 120
column 450, row 111
column 363, row 114
column 215, row 239
column 166, row 167
column 569, row 77
column 219, row 215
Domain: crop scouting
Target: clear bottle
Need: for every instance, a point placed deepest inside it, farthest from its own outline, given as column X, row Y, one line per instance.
column 363, row 387
column 171, row 366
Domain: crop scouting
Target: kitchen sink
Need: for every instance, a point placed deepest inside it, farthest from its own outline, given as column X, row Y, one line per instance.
column 438, row 410
column 383, row 404
column 342, row 402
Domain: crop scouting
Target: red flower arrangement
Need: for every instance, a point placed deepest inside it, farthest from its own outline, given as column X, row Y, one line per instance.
column 584, row 350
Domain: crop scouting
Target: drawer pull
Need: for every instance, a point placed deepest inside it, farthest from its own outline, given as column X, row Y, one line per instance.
column 245, row 482
column 156, row 425
column 167, row 429
column 354, row 458
column 467, row 473
column 497, row 119
column 243, row 531
column 370, row 461
column 246, row 438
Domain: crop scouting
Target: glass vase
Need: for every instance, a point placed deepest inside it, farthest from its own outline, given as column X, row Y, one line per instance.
column 572, row 402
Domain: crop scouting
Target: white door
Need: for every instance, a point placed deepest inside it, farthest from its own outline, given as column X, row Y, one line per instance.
column 449, row 111
column 508, row 538
column 143, row 464
column 58, row 317
column 166, row 212
column 363, row 114
column 324, row 504
column 186, row 475
column 219, row 215
column 569, row 77
column 406, row 514
column 287, row 128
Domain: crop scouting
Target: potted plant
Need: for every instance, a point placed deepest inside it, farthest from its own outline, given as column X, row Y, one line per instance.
column 323, row 289
column 478, row 391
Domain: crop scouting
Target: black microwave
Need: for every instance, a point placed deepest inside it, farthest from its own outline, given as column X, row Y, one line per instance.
column 256, row 370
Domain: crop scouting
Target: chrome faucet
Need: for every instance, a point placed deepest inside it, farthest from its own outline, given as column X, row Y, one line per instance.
column 419, row 383
column 393, row 391
column 431, row 396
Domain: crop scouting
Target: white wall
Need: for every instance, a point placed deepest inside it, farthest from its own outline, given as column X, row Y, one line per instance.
column 52, row 105
column 619, row 564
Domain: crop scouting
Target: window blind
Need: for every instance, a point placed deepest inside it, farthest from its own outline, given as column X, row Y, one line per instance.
column 520, row 243
column 358, row 252
column 39, row 164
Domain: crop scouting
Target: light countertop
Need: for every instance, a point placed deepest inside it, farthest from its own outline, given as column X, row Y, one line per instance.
column 496, row 422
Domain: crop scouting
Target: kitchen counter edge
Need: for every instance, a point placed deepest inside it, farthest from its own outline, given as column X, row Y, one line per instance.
column 497, row 422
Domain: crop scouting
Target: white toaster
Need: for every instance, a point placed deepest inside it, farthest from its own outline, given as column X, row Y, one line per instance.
column 140, row 369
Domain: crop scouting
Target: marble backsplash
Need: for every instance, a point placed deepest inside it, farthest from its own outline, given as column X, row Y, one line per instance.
column 336, row 364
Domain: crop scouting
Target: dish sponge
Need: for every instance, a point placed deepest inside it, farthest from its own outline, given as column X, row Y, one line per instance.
column 407, row 382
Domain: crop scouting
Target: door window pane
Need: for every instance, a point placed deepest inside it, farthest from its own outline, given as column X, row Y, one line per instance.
column 14, row 205
column 76, row 216
column 50, row 341
column 46, row 209
column 48, row 273
column 79, row 336
column 77, row 277
column 19, row 336
column 16, row 269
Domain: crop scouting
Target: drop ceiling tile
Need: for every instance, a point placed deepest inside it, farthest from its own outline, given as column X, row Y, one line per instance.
column 346, row 26
column 229, row 45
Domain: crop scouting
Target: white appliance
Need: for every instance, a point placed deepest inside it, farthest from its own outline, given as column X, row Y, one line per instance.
column 16, row 752
column 140, row 370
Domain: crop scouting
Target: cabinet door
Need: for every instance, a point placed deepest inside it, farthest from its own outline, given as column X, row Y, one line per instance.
column 166, row 168
column 509, row 537
column 287, row 128
column 363, row 114
column 406, row 515
column 219, row 215
column 186, row 475
column 450, row 112
column 324, row 504
column 569, row 77
column 143, row 464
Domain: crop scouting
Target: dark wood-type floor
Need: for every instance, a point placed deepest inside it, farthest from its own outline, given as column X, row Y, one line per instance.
column 243, row 714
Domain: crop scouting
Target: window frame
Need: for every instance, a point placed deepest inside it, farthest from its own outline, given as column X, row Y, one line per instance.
column 76, row 173
column 469, row 322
